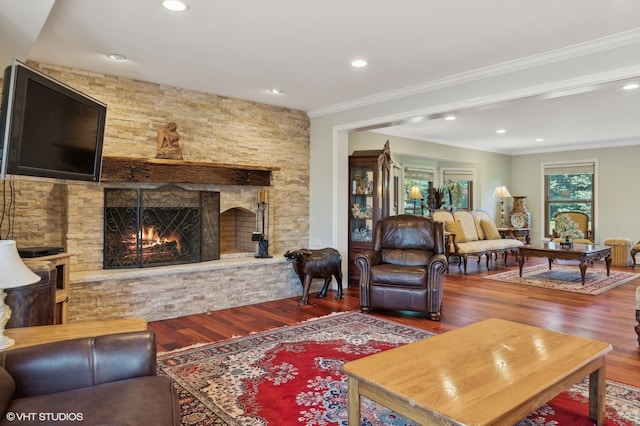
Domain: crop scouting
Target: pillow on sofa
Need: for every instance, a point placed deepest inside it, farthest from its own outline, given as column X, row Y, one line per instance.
column 455, row 227
column 490, row 230
column 479, row 216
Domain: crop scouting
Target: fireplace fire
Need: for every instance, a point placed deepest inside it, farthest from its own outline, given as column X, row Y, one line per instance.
column 154, row 247
column 164, row 226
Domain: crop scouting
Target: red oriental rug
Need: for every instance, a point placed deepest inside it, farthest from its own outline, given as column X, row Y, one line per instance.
column 292, row 376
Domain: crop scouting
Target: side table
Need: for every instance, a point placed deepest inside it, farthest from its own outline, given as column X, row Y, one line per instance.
column 63, row 291
column 521, row 234
column 31, row 336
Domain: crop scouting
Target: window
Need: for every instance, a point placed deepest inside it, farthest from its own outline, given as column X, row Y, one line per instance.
column 463, row 197
column 568, row 187
column 415, row 202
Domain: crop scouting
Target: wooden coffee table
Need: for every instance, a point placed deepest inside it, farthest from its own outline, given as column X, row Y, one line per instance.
column 491, row 372
column 585, row 253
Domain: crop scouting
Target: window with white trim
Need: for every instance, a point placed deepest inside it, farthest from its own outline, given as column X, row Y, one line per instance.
column 417, row 185
column 568, row 187
column 461, row 197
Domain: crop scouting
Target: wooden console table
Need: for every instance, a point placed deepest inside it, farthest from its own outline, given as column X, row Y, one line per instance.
column 61, row 261
column 521, row 234
column 31, row 336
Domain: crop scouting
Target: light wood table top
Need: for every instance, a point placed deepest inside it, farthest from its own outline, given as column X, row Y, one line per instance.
column 491, row 372
column 30, row 336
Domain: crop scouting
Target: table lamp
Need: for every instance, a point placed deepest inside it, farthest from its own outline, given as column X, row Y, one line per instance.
column 14, row 273
column 414, row 194
column 501, row 192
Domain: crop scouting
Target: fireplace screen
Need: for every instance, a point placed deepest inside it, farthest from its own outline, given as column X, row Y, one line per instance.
column 164, row 226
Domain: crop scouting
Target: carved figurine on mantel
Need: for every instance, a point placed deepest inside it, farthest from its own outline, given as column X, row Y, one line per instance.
column 168, row 142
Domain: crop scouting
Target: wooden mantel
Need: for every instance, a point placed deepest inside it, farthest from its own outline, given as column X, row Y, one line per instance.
column 129, row 169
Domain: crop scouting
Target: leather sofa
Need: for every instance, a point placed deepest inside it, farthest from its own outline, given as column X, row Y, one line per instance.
column 101, row 380
column 404, row 270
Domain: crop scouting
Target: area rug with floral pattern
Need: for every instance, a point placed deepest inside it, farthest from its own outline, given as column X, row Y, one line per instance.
column 293, row 376
column 565, row 278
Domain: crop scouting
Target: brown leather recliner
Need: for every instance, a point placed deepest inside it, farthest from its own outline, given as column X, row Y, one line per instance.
column 94, row 381
column 404, row 270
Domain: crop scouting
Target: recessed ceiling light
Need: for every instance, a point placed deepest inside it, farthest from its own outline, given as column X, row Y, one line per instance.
column 501, row 131
column 275, row 91
column 116, row 57
column 630, row 86
column 450, row 117
column 359, row 63
column 175, row 5
column 539, row 140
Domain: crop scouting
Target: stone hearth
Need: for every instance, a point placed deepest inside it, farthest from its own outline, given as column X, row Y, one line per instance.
column 174, row 291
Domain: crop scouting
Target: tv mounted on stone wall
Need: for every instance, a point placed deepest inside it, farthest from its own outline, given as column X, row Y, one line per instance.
column 49, row 129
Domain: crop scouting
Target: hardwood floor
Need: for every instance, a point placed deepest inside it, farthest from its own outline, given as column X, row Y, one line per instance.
column 608, row 317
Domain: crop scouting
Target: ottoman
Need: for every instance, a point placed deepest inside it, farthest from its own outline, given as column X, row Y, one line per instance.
column 620, row 251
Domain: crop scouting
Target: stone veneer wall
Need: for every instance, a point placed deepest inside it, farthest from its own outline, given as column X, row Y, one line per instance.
column 168, row 292
column 236, row 226
column 213, row 129
column 34, row 213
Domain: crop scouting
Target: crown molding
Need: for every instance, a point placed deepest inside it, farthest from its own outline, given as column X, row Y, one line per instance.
column 554, row 56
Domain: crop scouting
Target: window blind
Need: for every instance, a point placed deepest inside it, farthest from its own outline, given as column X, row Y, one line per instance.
column 420, row 174
column 457, row 175
column 569, row 169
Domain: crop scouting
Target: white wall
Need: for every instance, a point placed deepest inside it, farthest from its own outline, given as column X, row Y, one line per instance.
column 617, row 204
column 491, row 169
column 329, row 131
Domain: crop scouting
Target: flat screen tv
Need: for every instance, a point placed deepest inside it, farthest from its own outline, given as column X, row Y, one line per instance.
column 48, row 129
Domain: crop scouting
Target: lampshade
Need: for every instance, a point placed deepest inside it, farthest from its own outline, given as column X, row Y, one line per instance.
column 14, row 272
column 501, row 192
column 415, row 194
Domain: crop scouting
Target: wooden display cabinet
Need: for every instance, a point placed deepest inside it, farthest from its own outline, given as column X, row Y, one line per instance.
column 61, row 261
column 369, row 201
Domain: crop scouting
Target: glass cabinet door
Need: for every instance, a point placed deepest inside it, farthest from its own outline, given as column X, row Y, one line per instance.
column 362, row 204
column 368, row 201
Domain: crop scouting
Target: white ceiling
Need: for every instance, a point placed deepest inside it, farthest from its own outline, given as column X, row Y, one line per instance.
column 243, row 48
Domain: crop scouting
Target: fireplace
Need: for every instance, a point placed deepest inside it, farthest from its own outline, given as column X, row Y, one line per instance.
column 164, row 226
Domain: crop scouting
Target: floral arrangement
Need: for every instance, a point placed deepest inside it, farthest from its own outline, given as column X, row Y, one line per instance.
column 567, row 228
column 454, row 189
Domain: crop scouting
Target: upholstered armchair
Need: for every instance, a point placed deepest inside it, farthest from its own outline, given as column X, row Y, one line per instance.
column 634, row 250
column 638, row 313
column 404, row 270
column 582, row 221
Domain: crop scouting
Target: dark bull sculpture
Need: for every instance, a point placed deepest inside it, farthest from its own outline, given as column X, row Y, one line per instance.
column 309, row 264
